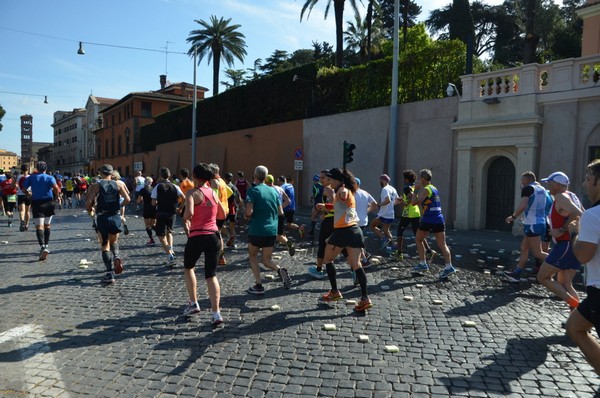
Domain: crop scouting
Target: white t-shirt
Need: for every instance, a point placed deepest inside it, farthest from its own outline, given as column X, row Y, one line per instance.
column 589, row 231
column 387, row 211
column 363, row 200
column 139, row 183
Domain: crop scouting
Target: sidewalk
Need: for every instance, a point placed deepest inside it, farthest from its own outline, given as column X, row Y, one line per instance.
column 62, row 334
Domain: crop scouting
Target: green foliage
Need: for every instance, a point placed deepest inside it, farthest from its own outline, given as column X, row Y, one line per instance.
column 424, row 74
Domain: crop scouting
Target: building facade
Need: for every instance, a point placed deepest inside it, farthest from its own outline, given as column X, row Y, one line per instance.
column 93, row 107
column 69, row 146
column 8, row 160
column 118, row 139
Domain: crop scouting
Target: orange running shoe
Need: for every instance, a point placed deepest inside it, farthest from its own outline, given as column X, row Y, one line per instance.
column 363, row 305
column 332, row 296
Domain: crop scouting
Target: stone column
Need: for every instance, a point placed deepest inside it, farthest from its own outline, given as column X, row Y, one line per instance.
column 464, row 196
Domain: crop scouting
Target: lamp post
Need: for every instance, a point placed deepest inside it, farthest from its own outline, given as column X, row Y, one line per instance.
column 194, row 130
column 391, row 166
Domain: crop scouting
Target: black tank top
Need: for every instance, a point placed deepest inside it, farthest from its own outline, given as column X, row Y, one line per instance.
column 108, row 197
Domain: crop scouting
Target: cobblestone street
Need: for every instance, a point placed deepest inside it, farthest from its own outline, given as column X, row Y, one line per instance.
column 63, row 334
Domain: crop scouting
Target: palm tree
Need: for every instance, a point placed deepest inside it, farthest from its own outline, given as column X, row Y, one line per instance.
column 219, row 40
column 359, row 40
column 338, row 9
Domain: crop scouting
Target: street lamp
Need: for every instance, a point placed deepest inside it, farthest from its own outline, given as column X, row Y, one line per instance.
column 30, row 95
column 452, row 90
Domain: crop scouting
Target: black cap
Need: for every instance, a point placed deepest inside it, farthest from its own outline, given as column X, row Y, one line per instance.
column 335, row 174
column 106, row 169
column 229, row 176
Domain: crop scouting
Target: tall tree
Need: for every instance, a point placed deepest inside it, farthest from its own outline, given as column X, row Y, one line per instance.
column 358, row 39
column 236, row 76
column 409, row 12
column 277, row 62
column 338, row 9
column 531, row 38
column 220, row 41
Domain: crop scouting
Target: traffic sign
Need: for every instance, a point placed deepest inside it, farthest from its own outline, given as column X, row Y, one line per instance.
column 298, row 164
column 298, row 154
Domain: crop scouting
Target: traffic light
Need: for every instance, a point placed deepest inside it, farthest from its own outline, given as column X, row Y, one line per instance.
column 348, row 152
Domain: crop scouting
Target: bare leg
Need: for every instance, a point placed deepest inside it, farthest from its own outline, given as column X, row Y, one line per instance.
column 191, row 284
column 214, row 293
column 577, row 329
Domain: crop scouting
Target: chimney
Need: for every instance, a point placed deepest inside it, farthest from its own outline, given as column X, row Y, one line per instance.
column 163, row 81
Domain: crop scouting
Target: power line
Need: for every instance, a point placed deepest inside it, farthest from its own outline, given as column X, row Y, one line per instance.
column 92, row 43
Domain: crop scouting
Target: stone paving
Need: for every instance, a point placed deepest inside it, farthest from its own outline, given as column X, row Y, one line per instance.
column 62, row 334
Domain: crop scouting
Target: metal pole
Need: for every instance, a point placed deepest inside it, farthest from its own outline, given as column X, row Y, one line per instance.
column 391, row 166
column 194, row 130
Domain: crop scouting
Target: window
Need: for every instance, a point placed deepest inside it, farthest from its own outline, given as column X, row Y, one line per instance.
column 594, row 153
column 146, row 109
column 119, row 145
column 112, row 146
column 106, row 148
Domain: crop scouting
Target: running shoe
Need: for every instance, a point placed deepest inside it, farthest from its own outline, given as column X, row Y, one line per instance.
column 150, row 242
column 384, row 243
column 125, row 229
column 217, row 319
column 118, row 264
column 430, row 255
column 365, row 263
column 301, row 231
column 312, row 271
column 22, row 227
column 420, row 268
column 44, row 253
column 291, row 248
column 398, row 255
column 446, row 272
column 191, row 309
column 285, row 277
column 171, row 260
column 230, row 242
column 257, row 289
column 363, row 305
column 513, row 277
column 108, row 278
column 9, row 223
column 222, row 260
column 332, row 296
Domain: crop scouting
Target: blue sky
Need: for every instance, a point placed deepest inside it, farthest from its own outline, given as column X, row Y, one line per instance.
column 41, row 65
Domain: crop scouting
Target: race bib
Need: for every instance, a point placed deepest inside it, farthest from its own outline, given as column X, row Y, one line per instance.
column 12, row 198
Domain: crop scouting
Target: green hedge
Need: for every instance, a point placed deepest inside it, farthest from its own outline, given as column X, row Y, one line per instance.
column 423, row 74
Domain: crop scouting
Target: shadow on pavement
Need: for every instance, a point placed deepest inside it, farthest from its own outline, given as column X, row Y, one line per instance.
column 522, row 355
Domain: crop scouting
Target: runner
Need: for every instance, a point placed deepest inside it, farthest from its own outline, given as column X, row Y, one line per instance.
column 165, row 196
column 9, row 196
column 242, row 185
column 585, row 238
column 262, row 209
column 290, row 209
column 149, row 211
column 533, row 207
column 385, row 217
column 43, row 186
column 2, row 179
column 346, row 235
column 223, row 192
column 326, row 225
column 316, row 198
column 561, row 261
column 427, row 195
column 365, row 204
column 411, row 215
column 201, row 211
column 284, row 200
column 139, row 182
column 23, row 199
column 103, row 200
column 185, row 185
column 235, row 205
column 68, row 189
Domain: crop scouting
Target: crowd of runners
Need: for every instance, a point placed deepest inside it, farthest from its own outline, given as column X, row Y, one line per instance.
column 558, row 232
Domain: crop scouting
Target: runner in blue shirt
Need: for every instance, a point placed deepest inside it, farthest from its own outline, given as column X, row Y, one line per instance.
column 43, row 191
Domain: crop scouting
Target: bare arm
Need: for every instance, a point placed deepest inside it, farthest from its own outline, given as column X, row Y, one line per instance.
column 249, row 210
column 286, row 200
column 91, row 198
column 124, row 192
column 519, row 211
column 190, row 202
